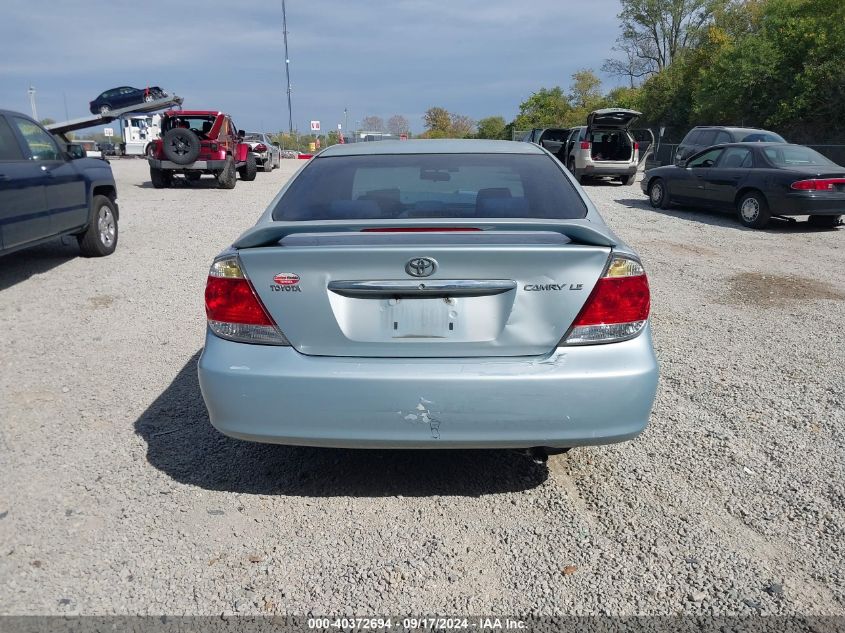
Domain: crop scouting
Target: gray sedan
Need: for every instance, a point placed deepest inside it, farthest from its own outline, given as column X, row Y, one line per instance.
column 429, row 294
column 268, row 155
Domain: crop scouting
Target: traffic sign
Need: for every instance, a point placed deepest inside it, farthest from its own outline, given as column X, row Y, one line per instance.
column 315, row 126
column 107, row 131
column 403, row 137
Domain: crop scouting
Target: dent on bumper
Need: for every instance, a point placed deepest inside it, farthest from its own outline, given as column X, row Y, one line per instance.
column 575, row 396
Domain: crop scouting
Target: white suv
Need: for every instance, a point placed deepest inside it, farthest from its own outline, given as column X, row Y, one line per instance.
column 604, row 147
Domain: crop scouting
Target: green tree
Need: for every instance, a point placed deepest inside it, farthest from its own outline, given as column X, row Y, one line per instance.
column 438, row 122
column 548, row 107
column 654, row 32
column 492, row 127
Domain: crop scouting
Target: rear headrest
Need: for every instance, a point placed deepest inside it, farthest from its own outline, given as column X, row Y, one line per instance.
column 354, row 209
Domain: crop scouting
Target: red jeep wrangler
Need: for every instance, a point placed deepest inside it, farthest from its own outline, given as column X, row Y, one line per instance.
column 197, row 142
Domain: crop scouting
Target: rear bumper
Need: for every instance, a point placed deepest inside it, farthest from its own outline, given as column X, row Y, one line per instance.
column 197, row 165
column 611, row 169
column 576, row 396
column 810, row 204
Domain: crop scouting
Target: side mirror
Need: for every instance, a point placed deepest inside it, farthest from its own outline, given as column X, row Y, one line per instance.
column 75, row 151
column 241, row 134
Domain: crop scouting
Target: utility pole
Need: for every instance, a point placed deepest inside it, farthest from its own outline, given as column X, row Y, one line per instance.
column 345, row 119
column 31, row 92
column 287, row 65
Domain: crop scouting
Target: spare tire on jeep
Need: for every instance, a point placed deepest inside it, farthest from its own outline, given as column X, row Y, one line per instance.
column 181, row 145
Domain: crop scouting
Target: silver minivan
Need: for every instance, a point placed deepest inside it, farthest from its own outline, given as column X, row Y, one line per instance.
column 605, row 146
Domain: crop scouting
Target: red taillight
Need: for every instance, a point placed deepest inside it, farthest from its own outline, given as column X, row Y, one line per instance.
column 617, row 308
column 817, row 184
column 419, row 229
column 585, row 144
column 261, row 147
column 616, row 300
column 230, row 300
column 636, row 147
column 233, row 308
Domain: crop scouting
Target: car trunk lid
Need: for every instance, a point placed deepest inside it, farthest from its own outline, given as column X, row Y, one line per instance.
column 612, row 118
column 485, row 293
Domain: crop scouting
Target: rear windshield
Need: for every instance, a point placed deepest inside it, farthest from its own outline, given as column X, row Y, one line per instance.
column 787, row 155
column 761, row 137
column 399, row 186
column 198, row 123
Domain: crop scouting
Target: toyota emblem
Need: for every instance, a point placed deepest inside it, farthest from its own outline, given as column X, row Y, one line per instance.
column 421, row 267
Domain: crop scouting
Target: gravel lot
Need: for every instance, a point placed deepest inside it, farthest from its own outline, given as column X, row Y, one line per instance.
column 119, row 497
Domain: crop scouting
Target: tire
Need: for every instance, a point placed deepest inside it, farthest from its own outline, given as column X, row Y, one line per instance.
column 193, row 176
column 100, row 238
column 150, row 150
column 267, row 167
column 753, row 210
column 105, row 109
column 248, row 171
column 228, row 177
column 149, row 97
column 181, row 146
column 571, row 168
column 824, row 221
column 628, row 180
column 160, row 178
column 658, row 194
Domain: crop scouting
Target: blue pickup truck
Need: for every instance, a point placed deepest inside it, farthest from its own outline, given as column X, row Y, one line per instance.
column 49, row 188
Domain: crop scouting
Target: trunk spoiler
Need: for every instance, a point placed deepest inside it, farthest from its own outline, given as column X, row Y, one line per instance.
column 579, row 231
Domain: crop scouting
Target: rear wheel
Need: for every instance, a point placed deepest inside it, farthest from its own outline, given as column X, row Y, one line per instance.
column 753, row 210
column 268, row 164
column 100, row 238
column 249, row 170
column 628, row 180
column 658, row 195
column 571, row 167
column 824, row 221
column 228, row 176
column 160, row 178
column 104, row 109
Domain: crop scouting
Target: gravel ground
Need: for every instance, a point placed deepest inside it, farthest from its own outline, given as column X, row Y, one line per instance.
column 119, row 497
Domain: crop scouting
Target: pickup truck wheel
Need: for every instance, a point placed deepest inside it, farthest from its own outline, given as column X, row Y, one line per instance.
column 228, row 176
column 249, row 170
column 100, row 238
column 181, row 146
column 160, row 178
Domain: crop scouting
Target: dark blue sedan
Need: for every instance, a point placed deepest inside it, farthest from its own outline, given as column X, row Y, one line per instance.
column 756, row 181
column 123, row 97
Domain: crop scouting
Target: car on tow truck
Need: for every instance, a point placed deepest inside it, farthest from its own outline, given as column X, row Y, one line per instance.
column 197, row 142
column 429, row 294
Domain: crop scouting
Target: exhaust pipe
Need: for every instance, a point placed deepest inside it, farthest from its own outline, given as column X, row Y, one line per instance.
column 540, row 454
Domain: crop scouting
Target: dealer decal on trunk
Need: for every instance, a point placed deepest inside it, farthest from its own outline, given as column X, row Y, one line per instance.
column 286, row 282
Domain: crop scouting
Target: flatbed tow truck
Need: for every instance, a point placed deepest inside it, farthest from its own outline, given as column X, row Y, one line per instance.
column 100, row 119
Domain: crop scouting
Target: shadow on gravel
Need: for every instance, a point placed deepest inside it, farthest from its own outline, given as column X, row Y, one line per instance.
column 22, row 265
column 182, row 444
column 206, row 182
column 721, row 218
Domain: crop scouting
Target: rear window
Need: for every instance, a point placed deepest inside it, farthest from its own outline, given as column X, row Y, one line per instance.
column 400, row 186
column 761, row 137
column 789, row 156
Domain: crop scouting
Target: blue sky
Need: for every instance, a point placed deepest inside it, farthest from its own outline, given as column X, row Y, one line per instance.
column 473, row 57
